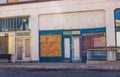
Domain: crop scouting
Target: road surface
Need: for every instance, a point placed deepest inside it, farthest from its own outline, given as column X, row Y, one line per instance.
column 58, row 73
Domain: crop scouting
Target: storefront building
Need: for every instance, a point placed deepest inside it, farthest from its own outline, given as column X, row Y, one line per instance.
column 15, row 29
column 58, row 31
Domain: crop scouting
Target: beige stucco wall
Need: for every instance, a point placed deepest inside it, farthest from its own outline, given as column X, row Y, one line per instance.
column 35, row 10
column 73, row 20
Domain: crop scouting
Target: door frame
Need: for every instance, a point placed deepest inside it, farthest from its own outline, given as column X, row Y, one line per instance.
column 23, row 52
column 79, row 48
column 70, row 34
column 70, row 48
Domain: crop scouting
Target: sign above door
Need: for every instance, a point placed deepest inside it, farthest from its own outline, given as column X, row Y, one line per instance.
column 23, row 34
column 71, row 32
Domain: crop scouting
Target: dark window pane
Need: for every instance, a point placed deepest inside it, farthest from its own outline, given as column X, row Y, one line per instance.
column 18, row 23
column 6, row 29
column 24, row 23
column 9, row 24
column 14, row 24
column 3, row 29
column 0, row 25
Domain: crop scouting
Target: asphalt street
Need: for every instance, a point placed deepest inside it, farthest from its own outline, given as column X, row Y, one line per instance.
column 58, row 73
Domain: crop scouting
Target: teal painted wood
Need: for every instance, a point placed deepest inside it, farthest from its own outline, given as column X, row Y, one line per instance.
column 50, row 59
column 87, row 31
column 93, row 30
column 82, row 31
column 117, row 28
column 43, row 32
column 71, row 43
column 70, row 59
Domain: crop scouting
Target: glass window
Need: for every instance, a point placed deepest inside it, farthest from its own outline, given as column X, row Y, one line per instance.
column 0, row 25
column 117, row 26
column 93, row 40
column 117, row 30
column 14, row 24
column 9, row 24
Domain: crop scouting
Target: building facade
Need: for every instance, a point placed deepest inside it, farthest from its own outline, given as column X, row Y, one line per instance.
column 21, row 1
column 56, row 31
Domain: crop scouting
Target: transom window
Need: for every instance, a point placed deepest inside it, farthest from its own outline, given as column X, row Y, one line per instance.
column 14, row 24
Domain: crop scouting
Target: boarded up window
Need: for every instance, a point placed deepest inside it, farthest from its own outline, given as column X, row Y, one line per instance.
column 93, row 40
column 12, row 1
column 99, row 40
column 50, row 45
column 3, row 44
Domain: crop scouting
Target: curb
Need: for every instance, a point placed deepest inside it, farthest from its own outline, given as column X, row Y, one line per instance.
column 61, row 67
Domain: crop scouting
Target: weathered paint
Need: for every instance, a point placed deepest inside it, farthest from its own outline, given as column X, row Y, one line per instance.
column 75, row 20
column 36, row 10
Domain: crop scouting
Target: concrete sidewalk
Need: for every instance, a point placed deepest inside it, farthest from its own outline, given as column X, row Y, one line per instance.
column 52, row 66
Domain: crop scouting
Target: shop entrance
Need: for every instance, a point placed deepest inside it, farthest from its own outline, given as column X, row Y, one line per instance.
column 72, row 48
column 23, row 49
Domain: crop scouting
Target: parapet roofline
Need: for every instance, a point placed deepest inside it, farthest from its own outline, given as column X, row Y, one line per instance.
column 25, row 2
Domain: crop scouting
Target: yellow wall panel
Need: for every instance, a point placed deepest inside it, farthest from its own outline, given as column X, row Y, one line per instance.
column 9, row 45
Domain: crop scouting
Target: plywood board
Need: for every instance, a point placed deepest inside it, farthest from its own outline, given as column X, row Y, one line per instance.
column 10, row 1
column 50, row 45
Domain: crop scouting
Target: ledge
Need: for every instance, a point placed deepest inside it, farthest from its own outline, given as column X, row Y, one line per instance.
column 25, row 2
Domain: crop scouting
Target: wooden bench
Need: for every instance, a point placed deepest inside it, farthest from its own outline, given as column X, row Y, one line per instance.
column 5, row 57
